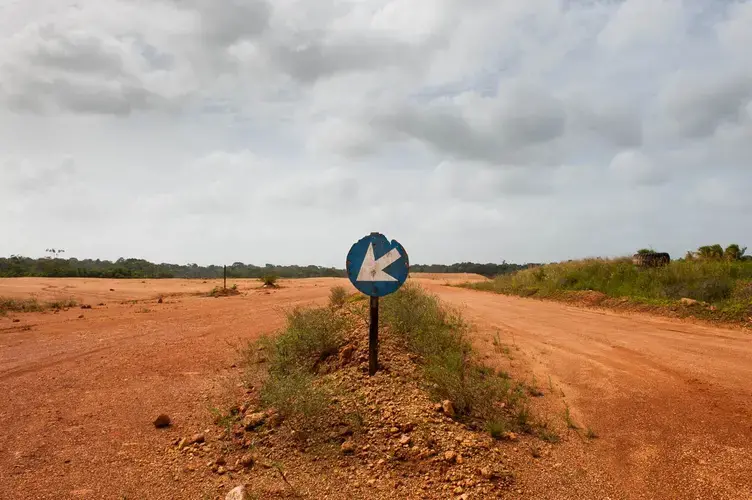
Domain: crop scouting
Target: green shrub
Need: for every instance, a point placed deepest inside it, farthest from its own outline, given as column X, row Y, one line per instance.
column 294, row 395
column 311, row 335
column 269, row 280
column 497, row 428
column 337, row 297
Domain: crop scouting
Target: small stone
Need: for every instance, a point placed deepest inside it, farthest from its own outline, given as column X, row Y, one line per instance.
column 196, row 438
column 162, row 421
column 405, row 439
column 394, row 430
column 348, row 447
column 220, row 460
column 274, row 420
column 688, row 302
column 346, row 354
column 182, row 443
column 16, row 320
column 459, row 459
column 511, row 436
column 253, row 420
column 450, row 456
column 247, row 460
column 221, row 470
column 447, row 407
column 458, row 490
column 237, row 493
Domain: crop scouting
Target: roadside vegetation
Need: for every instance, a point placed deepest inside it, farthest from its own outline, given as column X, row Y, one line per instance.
column 8, row 305
column 220, row 291
column 288, row 366
column 711, row 283
column 438, row 336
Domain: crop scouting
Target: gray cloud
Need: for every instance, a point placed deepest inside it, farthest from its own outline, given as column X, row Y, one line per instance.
column 697, row 104
column 468, row 130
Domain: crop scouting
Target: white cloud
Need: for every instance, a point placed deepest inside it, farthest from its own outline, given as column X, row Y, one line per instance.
column 228, row 130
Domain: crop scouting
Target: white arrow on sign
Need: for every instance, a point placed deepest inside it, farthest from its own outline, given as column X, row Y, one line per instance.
column 373, row 270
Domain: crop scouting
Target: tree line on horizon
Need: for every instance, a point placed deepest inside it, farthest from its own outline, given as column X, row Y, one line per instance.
column 732, row 252
column 57, row 267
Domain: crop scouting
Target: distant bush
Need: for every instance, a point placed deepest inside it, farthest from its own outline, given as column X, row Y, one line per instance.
column 219, row 291
column 269, row 280
column 337, row 297
column 33, row 305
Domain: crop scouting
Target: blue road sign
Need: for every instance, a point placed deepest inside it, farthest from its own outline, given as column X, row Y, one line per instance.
column 377, row 267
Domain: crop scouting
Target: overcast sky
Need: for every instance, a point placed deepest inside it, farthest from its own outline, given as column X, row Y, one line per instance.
column 214, row 131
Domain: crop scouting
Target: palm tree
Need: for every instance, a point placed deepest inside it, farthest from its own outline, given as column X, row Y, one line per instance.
column 734, row 252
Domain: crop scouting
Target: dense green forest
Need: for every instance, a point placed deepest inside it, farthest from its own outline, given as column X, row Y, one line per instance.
column 17, row 266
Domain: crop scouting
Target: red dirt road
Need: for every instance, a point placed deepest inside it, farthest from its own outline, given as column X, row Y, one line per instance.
column 672, row 402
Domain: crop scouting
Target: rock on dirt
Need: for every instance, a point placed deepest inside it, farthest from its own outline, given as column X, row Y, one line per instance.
column 237, row 493
column 161, row 421
column 247, row 460
column 197, row 438
column 346, row 354
column 348, row 447
column 447, row 407
column 253, row 420
column 688, row 302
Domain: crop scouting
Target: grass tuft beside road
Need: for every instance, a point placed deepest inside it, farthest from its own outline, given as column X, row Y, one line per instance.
column 286, row 365
column 438, row 335
column 33, row 305
column 717, row 289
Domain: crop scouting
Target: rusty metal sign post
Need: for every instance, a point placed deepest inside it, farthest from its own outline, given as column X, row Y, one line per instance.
column 376, row 267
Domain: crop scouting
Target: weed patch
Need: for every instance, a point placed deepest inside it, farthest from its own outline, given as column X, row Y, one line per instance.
column 219, row 291
column 33, row 305
column 291, row 360
column 438, row 336
column 337, row 297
